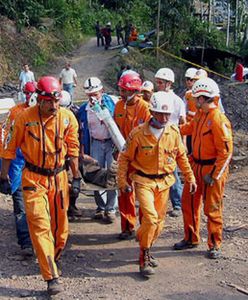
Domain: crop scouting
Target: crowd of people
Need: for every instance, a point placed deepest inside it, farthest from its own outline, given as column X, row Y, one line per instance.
column 124, row 34
column 50, row 147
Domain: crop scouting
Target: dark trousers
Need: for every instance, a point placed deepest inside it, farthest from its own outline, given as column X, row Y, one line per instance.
column 100, row 39
column 22, row 231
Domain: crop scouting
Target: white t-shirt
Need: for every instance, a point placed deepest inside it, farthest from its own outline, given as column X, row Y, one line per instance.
column 67, row 76
column 26, row 77
column 157, row 132
column 179, row 109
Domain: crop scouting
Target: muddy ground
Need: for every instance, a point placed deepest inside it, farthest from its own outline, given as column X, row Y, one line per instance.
column 96, row 265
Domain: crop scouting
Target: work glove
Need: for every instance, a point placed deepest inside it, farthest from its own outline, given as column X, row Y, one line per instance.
column 75, row 186
column 5, row 187
column 127, row 189
column 192, row 187
column 208, row 179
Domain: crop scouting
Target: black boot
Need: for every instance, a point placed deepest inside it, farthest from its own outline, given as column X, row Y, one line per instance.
column 54, row 287
column 183, row 245
column 145, row 265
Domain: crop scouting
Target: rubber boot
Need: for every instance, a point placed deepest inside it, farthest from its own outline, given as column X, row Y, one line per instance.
column 54, row 287
column 153, row 260
column 145, row 265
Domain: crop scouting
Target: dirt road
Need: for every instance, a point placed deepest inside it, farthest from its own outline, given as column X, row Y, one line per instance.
column 96, row 265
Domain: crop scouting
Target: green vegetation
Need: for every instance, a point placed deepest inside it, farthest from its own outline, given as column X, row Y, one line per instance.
column 67, row 20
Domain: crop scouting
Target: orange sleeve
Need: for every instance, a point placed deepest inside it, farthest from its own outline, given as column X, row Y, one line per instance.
column 14, row 138
column 125, row 157
column 71, row 137
column 187, row 128
column 222, row 134
column 182, row 160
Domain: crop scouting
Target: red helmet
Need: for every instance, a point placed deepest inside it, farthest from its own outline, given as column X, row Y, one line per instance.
column 48, row 88
column 29, row 88
column 130, row 82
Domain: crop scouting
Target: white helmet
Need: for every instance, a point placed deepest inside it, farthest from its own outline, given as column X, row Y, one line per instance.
column 165, row 74
column 65, row 100
column 162, row 102
column 147, row 86
column 92, row 85
column 32, row 100
column 190, row 73
column 109, row 24
column 205, row 87
column 201, row 73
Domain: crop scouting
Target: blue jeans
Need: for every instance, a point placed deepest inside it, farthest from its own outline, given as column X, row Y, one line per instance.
column 176, row 192
column 69, row 88
column 102, row 152
column 22, row 231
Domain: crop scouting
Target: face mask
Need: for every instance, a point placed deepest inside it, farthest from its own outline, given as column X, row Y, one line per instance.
column 155, row 123
column 129, row 98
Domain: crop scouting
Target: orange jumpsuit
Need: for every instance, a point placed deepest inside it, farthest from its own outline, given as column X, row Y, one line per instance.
column 212, row 150
column 44, row 143
column 127, row 117
column 154, row 161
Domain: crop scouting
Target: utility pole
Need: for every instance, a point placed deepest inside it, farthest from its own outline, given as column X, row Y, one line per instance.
column 158, row 21
column 236, row 21
column 228, row 24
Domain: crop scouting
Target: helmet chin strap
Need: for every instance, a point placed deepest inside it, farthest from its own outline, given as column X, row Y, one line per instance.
column 155, row 123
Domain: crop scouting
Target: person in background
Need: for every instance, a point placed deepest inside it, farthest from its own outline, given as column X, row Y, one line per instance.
column 189, row 101
column 99, row 36
column 68, row 78
column 165, row 78
column 106, row 32
column 96, row 143
column 147, row 90
column 25, row 76
column 127, row 31
column 130, row 111
column 15, row 173
column 119, row 35
column 239, row 70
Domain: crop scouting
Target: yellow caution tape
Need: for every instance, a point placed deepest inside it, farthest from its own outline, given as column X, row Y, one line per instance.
column 188, row 62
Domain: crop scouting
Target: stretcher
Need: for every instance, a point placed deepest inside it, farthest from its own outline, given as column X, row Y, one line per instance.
column 90, row 187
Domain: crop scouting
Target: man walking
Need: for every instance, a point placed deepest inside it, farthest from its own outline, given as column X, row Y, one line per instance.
column 96, row 142
column 68, row 78
column 130, row 111
column 46, row 134
column 153, row 150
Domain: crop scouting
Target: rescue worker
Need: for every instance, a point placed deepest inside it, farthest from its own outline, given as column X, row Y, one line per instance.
column 46, row 134
column 96, row 141
column 130, row 111
column 165, row 78
column 201, row 74
column 119, row 33
column 189, row 101
column 66, row 101
column 15, row 174
column 212, row 148
column 147, row 90
column 153, row 149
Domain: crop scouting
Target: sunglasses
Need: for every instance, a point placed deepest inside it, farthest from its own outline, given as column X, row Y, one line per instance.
column 190, row 79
